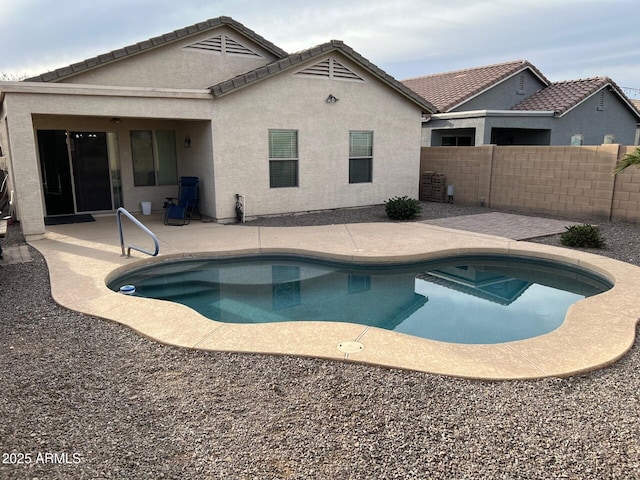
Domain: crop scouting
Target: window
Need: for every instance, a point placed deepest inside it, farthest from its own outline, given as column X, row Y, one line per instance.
column 283, row 158
column 360, row 157
column 154, row 157
column 577, row 139
column 457, row 141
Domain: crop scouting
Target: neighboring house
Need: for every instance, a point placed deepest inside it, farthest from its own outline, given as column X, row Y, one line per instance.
column 513, row 103
column 636, row 103
column 319, row 129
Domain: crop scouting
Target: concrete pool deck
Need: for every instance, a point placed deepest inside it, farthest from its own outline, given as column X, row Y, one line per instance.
column 80, row 257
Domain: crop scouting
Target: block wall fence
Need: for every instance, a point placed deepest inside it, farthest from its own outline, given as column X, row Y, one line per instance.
column 564, row 181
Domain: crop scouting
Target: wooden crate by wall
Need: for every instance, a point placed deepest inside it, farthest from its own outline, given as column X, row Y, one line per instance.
column 433, row 187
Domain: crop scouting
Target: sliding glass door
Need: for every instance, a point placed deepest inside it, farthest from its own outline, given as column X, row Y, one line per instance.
column 80, row 171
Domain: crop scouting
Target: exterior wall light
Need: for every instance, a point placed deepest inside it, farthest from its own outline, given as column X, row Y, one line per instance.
column 187, row 142
column 331, row 99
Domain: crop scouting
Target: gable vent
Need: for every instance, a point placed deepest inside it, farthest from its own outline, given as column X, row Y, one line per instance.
column 340, row 71
column 601, row 100
column 521, row 85
column 222, row 44
column 330, row 68
column 322, row 69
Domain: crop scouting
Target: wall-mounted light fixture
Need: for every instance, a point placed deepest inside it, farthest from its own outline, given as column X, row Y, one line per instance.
column 187, row 142
column 116, row 120
column 331, row 99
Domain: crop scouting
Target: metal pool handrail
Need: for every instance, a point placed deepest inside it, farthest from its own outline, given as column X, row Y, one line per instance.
column 137, row 222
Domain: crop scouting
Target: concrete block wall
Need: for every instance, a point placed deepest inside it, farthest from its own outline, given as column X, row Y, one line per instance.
column 563, row 180
column 468, row 169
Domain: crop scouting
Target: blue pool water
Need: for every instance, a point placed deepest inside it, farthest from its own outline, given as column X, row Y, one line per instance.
column 464, row 299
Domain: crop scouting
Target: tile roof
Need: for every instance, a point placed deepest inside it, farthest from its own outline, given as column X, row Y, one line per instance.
column 155, row 42
column 294, row 59
column 560, row 97
column 450, row 89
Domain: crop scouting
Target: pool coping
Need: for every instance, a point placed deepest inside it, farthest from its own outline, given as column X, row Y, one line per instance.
column 597, row 331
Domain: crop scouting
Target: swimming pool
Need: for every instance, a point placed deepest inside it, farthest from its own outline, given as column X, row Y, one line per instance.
column 472, row 299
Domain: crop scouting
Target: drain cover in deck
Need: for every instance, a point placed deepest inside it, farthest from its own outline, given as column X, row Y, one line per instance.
column 350, row 346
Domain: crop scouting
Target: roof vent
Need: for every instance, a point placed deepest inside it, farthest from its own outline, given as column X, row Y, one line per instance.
column 521, row 85
column 330, row 68
column 321, row 69
column 342, row 72
column 222, row 44
column 601, row 100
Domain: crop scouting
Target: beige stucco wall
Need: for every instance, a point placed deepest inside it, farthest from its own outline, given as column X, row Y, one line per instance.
column 172, row 66
column 568, row 180
column 242, row 119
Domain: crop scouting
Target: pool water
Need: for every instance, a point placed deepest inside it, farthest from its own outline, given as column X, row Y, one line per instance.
column 465, row 299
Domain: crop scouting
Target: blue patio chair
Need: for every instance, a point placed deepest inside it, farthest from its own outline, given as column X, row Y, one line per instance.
column 180, row 212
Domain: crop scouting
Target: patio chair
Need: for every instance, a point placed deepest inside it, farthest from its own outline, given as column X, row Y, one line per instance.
column 180, row 209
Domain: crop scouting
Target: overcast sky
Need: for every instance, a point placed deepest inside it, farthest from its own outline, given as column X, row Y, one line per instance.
column 565, row 39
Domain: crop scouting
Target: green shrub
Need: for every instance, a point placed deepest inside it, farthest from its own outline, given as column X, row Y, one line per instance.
column 582, row 236
column 402, row 208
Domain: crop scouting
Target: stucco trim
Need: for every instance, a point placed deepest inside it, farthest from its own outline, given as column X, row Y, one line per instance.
column 106, row 91
column 490, row 113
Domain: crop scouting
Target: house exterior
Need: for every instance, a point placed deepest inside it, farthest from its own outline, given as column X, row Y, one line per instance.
column 319, row 129
column 636, row 103
column 513, row 103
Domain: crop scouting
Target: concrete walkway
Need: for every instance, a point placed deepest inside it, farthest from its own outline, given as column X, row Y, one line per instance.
column 516, row 227
column 82, row 257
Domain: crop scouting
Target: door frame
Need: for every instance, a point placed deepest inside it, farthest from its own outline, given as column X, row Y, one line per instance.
column 113, row 163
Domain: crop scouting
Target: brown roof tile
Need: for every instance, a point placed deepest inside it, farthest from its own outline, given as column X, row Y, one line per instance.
column 294, row 59
column 449, row 89
column 155, row 42
column 560, row 97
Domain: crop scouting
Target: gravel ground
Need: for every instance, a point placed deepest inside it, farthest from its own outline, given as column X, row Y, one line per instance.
column 92, row 399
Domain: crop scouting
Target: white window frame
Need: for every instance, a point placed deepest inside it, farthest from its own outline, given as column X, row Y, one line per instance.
column 356, row 154
column 278, row 157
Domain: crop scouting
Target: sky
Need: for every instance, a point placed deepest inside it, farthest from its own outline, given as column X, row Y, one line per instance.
column 565, row 39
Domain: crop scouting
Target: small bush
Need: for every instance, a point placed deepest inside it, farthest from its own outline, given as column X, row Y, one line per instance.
column 402, row 208
column 582, row 236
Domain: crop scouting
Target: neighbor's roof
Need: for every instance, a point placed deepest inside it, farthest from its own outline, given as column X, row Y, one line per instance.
column 155, row 42
column 560, row 97
column 450, row 89
column 293, row 60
